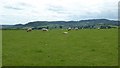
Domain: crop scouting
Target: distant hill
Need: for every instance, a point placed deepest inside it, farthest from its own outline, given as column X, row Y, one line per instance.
column 64, row 24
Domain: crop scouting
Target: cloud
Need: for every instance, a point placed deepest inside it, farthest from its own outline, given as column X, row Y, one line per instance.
column 24, row 4
column 17, row 6
column 22, row 11
column 57, row 9
column 12, row 7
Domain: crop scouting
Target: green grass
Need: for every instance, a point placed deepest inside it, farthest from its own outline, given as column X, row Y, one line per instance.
column 0, row 48
column 87, row 47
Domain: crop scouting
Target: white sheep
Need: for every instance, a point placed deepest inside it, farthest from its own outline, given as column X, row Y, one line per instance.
column 44, row 29
column 76, row 28
column 29, row 29
column 65, row 32
column 98, row 28
column 69, row 28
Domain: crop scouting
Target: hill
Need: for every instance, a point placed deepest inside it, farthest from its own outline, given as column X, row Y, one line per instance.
column 92, row 23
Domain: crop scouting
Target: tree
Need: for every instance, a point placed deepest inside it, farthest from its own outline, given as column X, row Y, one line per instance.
column 60, row 27
column 47, row 27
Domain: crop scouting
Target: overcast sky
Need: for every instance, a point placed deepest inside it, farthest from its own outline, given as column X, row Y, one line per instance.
column 24, row 11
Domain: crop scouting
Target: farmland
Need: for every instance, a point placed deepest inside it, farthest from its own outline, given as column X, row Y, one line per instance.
column 0, row 48
column 85, row 47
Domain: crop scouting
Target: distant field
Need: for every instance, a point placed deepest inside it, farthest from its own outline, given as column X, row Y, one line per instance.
column 0, row 48
column 87, row 47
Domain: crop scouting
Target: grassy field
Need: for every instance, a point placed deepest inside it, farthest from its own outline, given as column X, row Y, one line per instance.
column 87, row 47
column 0, row 48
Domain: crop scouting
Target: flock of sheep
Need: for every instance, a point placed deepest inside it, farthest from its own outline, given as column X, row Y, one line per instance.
column 30, row 29
column 44, row 29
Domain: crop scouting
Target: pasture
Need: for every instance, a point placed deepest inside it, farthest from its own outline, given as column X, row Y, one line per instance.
column 86, row 47
column 0, row 48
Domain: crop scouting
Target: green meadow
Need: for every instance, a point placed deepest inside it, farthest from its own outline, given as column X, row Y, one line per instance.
column 85, row 47
column 0, row 48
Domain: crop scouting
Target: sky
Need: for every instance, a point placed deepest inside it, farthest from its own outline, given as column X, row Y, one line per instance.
column 24, row 11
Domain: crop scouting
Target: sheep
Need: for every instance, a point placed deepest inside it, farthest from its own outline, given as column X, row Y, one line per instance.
column 44, row 29
column 29, row 29
column 65, row 32
column 98, row 28
column 76, row 28
column 69, row 29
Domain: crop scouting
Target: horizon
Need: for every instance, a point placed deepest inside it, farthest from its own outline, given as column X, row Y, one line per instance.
column 62, row 20
column 23, row 11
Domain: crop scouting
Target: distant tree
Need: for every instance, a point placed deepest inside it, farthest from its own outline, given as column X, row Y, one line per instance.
column 55, row 26
column 39, row 28
column 60, row 27
column 47, row 27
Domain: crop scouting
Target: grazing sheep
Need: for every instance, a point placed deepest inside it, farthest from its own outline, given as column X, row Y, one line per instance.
column 65, row 32
column 76, row 28
column 98, row 28
column 44, row 29
column 69, row 29
column 29, row 29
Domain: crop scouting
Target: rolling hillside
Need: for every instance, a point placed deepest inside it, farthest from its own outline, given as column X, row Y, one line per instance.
column 65, row 24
